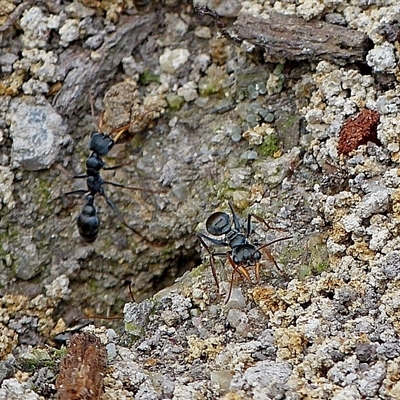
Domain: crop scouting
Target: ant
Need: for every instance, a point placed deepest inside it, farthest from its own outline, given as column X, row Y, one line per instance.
column 62, row 338
column 242, row 253
column 100, row 145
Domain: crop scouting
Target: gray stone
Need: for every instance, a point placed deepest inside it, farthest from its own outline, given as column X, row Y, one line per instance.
column 37, row 132
column 268, row 376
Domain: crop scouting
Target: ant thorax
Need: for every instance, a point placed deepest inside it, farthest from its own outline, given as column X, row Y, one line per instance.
column 94, row 162
column 235, row 238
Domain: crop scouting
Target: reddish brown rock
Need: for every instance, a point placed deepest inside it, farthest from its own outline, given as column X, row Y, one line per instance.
column 358, row 130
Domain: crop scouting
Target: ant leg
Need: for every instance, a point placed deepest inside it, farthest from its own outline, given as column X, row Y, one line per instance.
column 262, row 220
column 269, row 254
column 113, row 167
column 249, row 228
column 241, row 270
column 79, row 191
column 131, row 187
column 213, row 241
column 65, row 172
column 231, row 284
column 236, row 221
column 80, row 176
column 61, row 169
column 115, row 209
column 212, row 259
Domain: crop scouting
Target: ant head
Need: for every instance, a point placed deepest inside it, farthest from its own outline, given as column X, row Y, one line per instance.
column 218, row 224
column 100, row 143
column 246, row 254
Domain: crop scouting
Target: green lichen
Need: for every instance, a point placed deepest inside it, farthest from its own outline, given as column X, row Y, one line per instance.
column 289, row 122
column 134, row 329
column 93, row 286
column 287, row 254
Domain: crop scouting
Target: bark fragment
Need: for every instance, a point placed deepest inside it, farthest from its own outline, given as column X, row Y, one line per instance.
column 82, row 369
column 293, row 38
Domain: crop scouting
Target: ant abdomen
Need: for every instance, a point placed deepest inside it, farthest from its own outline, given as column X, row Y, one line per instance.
column 218, row 224
column 88, row 222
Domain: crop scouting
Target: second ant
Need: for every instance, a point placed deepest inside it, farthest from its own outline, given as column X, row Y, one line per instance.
column 242, row 253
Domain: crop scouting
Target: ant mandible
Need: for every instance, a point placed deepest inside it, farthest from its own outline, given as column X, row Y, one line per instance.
column 100, row 145
column 242, row 253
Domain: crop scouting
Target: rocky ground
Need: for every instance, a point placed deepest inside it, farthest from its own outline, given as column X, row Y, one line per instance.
column 212, row 115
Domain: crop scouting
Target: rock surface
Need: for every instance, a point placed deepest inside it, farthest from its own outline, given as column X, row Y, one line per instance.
column 206, row 121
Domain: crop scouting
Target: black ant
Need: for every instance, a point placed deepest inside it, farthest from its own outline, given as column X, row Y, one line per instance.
column 61, row 338
column 88, row 221
column 242, row 253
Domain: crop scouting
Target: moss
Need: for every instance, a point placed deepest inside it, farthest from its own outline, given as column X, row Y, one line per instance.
column 304, row 271
column 269, row 146
column 317, row 258
column 224, row 191
column 42, row 189
column 174, row 101
column 199, row 270
column 8, row 235
column 213, row 83
column 207, row 88
column 288, row 254
column 93, row 286
column 38, row 358
column 148, row 77
column 58, row 354
column 289, row 122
